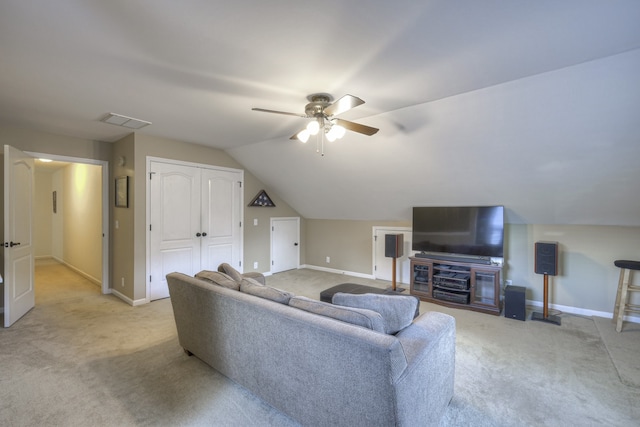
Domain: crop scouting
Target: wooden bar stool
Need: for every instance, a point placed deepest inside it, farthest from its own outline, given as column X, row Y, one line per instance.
column 624, row 288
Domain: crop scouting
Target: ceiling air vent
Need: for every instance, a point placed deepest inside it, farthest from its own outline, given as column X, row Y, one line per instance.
column 124, row 121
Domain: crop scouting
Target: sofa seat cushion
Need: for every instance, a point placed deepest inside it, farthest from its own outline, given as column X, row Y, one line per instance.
column 218, row 278
column 356, row 316
column 397, row 311
column 253, row 287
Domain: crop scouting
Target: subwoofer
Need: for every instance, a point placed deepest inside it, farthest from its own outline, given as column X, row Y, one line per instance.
column 514, row 302
column 393, row 245
column 546, row 258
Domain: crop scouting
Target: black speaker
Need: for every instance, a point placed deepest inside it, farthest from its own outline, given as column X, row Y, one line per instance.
column 393, row 245
column 514, row 302
column 546, row 258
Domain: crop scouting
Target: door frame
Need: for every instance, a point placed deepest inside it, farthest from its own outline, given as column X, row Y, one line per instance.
column 375, row 231
column 106, row 289
column 287, row 218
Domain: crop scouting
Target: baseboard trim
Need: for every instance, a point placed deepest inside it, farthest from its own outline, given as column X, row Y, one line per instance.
column 128, row 300
column 333, row 270
column 581, row 311
column 80, row 272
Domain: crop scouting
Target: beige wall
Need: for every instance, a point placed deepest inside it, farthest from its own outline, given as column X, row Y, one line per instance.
column 347, row 243
column 122, row 245
column 588, row 279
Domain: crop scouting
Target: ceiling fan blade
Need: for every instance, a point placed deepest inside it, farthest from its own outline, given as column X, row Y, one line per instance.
column 295, row 136
column 279, row 112
column 356, row 127
column 343, row 104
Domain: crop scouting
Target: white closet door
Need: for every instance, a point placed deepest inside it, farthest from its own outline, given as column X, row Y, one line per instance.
column 221, row 209
column 175, row 223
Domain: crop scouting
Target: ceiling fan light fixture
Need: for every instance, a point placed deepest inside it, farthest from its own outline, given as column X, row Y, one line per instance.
column 313, row 127
column 335, row 132
column 303, row 135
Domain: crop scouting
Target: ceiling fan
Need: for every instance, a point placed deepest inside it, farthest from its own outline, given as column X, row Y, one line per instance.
column 322, row 109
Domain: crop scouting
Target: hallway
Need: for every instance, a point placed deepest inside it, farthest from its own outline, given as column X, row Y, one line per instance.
column 55, row 282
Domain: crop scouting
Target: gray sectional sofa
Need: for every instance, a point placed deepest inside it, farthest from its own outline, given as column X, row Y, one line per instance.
column 294, row 353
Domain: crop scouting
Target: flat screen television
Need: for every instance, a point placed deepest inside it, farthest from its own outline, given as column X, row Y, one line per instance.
column 463, row 230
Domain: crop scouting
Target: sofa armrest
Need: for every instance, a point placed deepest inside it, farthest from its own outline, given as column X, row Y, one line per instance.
column 427, row 331
column 258, row 277
column 426, row 386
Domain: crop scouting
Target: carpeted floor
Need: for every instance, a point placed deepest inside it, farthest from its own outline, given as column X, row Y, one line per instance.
column 81, row 358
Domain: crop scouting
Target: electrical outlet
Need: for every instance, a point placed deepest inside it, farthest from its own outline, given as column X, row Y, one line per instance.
column 255, row 265
column 122, row 282
column 255, row 221
column 328, row 260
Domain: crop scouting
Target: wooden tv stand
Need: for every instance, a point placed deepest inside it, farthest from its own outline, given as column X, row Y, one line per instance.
column 457, row 284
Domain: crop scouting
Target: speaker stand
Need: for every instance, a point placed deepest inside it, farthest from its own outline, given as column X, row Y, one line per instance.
column 393, row 277
column 544, row 316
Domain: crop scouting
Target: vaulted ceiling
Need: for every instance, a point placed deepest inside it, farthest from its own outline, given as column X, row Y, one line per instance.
column 529, row 104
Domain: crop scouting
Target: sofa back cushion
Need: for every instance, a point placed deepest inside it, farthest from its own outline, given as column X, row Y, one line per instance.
column 218, row 278
column 230, row 271
column 252, row 287
column 356, row 316
column 397, row 311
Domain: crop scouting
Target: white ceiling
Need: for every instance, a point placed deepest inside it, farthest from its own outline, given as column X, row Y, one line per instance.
column 530, row 104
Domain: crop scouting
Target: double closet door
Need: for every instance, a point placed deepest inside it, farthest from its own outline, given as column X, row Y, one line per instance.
column 195, row 221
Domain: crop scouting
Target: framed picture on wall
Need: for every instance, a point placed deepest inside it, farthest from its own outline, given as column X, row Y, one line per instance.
column 122, row 192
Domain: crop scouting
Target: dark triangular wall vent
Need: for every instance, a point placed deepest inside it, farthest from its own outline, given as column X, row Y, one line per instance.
column 262, row 200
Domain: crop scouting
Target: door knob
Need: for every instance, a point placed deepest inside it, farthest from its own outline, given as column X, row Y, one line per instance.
column 204, row 234
column 11, row 244
column 198, row 234
column 295, row 244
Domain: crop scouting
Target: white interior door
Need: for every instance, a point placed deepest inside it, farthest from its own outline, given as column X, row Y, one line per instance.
column 221, row 229
column 285, row 244
column 175, row 223
column 383, row 265
column 19, row 293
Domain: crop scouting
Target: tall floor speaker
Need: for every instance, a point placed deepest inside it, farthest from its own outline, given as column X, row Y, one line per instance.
column 394, row 248
column 546, row 263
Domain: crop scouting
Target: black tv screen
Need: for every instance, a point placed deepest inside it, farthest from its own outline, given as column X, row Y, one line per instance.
column 462, row 230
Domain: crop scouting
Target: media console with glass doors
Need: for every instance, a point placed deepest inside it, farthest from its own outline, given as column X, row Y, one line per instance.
column 458, row 284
